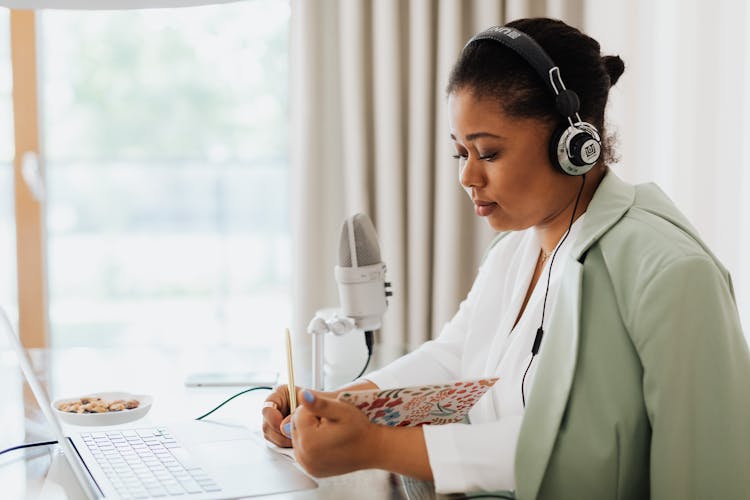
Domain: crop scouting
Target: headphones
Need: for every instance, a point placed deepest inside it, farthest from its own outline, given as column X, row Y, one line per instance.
column 575, row 146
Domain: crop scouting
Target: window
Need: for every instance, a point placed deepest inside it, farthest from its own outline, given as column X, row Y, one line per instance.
column 8, row 288
column 165, row 146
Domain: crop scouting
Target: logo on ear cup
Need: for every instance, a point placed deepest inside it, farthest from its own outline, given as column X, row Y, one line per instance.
column 590, row 151
column 583, row 147
column 575, row 149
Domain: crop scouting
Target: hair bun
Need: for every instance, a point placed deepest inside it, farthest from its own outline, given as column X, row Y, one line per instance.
column 614, row 67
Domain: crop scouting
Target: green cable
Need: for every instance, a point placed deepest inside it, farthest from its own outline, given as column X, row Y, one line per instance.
column 238, row 394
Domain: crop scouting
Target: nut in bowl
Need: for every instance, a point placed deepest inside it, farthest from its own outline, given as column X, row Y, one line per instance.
column 102, row 408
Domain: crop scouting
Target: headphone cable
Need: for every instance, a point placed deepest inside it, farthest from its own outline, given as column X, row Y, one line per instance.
column 540, row 330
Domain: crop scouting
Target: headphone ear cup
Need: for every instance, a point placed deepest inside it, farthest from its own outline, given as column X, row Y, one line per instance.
column 574, row 150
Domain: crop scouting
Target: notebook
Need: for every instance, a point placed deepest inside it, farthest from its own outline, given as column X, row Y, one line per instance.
column 420, row 405
column 190, row 459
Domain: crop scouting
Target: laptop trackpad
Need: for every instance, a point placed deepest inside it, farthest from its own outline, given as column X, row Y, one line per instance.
column 250, row 466
column 235, row 452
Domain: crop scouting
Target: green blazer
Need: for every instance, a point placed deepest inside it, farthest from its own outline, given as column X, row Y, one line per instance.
column 643, row 383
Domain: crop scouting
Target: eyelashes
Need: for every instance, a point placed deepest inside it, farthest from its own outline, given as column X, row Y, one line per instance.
column 486, row 157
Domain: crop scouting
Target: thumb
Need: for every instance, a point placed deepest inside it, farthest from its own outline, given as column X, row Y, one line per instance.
column 321, row 406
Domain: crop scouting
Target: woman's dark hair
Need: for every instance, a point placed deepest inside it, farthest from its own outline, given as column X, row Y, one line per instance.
column 492, row 70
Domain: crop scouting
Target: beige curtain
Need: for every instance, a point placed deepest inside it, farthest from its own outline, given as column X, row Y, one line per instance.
column 371, row 134
column 682, row 113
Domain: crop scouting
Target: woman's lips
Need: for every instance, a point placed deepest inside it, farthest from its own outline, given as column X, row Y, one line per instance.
column 484, row 208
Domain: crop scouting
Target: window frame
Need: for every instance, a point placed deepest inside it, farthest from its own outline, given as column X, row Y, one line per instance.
column 33, row 319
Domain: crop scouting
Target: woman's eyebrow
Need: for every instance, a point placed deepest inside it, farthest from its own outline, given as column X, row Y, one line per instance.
column 477, row 135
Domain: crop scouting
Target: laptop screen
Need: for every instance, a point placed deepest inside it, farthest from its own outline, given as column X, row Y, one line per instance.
column 12, row 344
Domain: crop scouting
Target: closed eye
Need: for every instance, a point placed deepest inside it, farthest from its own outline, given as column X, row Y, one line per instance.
column 487, row 157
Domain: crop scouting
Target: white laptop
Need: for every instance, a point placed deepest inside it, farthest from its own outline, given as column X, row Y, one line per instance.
column 191, row 459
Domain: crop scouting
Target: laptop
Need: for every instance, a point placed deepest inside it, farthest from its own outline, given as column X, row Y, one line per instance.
column 190, row 459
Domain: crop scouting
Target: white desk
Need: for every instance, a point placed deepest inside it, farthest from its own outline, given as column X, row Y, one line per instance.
column 161, row 373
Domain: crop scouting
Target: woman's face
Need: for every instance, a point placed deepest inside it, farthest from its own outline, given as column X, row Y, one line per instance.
column 504, row 164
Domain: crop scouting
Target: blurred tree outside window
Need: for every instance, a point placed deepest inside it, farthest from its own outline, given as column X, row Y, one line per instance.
column 166, row 154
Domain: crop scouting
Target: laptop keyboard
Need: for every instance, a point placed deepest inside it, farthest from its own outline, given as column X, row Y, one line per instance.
column 145, row 463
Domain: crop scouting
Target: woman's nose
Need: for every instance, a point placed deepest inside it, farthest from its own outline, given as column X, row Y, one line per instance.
column 470, row 173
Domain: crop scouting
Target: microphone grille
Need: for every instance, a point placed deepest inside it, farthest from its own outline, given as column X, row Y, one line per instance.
column 366, row 246
column 345, row 254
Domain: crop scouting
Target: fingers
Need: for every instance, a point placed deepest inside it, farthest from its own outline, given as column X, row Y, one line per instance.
column 321, row 406
column 306, row 396
column 275, row 408
column 316, row 406
column 286, row 426
column 271, row 404
column 328, row 434
column 280, row 396
column 272, row 420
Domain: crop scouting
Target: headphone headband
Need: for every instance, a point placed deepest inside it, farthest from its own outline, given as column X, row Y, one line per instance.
column 566, row 101
column 576, row 148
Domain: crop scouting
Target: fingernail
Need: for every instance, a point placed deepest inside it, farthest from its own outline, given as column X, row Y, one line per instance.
column 288, row 428
column 309, row 397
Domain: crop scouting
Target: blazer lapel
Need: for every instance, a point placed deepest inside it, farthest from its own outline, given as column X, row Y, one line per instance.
column 612, row 199
column 557, row 358
column 545, row 407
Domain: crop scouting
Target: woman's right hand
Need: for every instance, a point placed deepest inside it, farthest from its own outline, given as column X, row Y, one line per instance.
column 276, row 410
column 275, row 414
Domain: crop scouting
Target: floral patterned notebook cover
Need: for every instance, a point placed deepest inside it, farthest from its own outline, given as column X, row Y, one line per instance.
column 419, row 405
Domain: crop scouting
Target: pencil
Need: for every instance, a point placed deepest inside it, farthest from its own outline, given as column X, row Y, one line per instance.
column 290, row 371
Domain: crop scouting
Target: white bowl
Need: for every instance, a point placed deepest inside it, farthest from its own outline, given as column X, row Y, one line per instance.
column 107, row 418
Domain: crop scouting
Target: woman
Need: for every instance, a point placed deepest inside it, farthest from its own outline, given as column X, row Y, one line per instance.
column 641, row 387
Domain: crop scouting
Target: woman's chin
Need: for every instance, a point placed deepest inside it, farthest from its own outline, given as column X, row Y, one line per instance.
column 497, row 224
column 501, row 224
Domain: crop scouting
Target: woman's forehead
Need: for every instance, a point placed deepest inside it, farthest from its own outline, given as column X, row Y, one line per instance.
column 472, row 116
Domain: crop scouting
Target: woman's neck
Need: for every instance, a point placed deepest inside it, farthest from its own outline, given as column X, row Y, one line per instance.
column 551, row 231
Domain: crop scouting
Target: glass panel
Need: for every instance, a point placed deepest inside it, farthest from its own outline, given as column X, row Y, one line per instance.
column 8, row 275
column 166, row 154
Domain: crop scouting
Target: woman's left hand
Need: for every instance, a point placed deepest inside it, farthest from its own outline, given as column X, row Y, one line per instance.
column 333, row 437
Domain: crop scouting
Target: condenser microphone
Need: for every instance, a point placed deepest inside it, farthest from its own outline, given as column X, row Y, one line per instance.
column 360, row 274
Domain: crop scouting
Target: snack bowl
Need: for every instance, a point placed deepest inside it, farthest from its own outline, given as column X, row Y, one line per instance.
column 106, row 418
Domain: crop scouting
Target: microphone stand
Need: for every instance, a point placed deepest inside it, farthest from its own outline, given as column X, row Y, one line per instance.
column 318, row 360
column 366, row 282
column 325, row 321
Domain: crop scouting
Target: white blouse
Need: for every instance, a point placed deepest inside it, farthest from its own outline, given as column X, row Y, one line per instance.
column 478, row 342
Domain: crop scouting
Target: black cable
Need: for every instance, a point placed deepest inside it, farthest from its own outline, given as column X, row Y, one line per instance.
column 565, row 236
column 29, row 445
column 44, row 443
column 523, row 381
column 368, row 343
column 540, row 330
column 364, row 368
column 238, row 394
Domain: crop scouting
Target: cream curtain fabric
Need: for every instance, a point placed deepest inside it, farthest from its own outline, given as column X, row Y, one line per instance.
column 682, row 113
column 371, row 134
